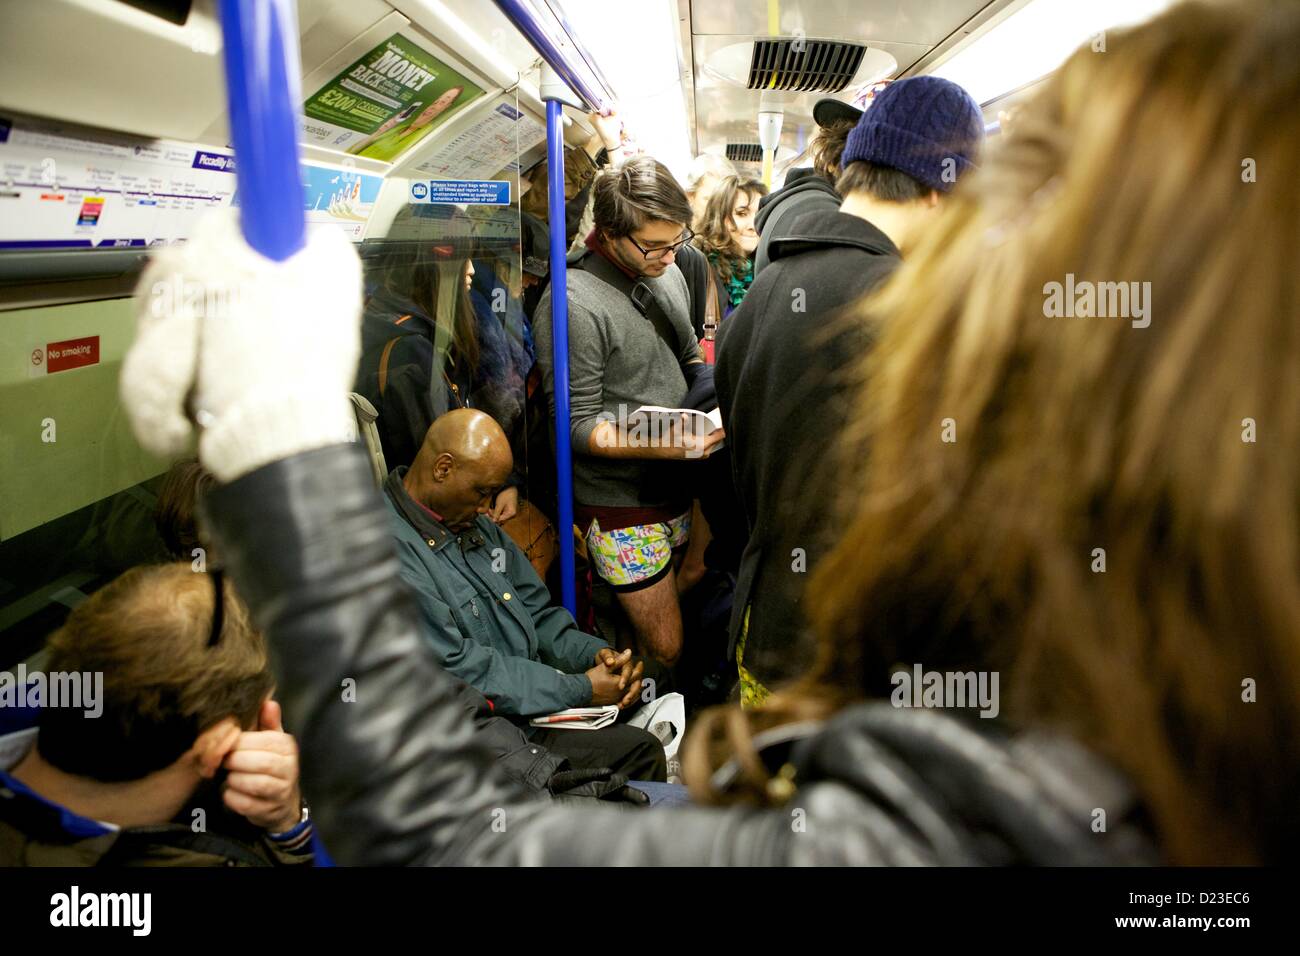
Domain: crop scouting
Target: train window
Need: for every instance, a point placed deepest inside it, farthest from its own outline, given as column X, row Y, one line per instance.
column 450, row 290
column 449, row 294
column 444, row 325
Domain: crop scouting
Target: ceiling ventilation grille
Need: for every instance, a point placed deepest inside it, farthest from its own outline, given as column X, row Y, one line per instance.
column 745, row 152
column 800, row 65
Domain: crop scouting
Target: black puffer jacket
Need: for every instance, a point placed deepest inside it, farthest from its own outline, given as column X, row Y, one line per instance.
column 396, row 776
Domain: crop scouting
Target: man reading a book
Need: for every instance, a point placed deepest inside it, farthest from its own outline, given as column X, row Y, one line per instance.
column 631, row 345
column 487, row 614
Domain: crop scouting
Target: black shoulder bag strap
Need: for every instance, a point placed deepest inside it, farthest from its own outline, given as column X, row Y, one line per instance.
column 641, row 294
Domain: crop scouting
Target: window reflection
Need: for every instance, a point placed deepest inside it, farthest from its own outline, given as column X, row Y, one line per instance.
column 444, row 324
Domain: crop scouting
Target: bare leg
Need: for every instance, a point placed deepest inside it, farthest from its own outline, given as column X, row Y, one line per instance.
column 692, row 567
column 655, row 615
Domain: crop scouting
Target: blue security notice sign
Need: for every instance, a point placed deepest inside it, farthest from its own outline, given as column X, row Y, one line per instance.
column 461, row 192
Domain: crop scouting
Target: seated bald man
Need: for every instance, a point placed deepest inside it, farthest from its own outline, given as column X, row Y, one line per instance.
column 486, row 612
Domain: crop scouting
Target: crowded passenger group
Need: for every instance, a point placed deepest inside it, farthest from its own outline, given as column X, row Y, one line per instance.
column 919, row 470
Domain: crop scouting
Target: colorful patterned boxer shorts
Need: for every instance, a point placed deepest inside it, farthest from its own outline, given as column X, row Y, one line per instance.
column 637, row 556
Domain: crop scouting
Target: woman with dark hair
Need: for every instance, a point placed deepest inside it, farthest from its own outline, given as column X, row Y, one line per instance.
column 420, row 348
column 1096, row 503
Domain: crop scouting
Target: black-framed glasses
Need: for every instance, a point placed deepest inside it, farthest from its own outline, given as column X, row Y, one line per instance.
column 654, row 255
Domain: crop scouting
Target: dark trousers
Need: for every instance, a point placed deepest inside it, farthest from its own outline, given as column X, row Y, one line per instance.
column 631, row 751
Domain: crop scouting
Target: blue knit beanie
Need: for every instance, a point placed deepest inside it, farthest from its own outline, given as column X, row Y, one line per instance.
column 914, row 125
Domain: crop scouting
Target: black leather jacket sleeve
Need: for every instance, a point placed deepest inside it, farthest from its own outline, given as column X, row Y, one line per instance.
column 390, row 762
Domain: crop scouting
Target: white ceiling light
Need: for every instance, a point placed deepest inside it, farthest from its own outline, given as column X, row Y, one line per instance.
column 1035, row 40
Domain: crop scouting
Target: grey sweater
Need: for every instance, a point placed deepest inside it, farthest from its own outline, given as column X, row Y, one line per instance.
column 617, row 359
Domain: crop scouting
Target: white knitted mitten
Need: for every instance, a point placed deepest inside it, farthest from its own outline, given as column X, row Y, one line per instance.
column 270, row 349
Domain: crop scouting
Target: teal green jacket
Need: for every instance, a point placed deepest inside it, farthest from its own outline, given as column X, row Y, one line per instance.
column 487, row 614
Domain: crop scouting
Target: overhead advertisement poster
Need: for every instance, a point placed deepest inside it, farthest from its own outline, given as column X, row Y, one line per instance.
column 386, row 101
column 487, row 147
column 340, row 197
column 337, row 197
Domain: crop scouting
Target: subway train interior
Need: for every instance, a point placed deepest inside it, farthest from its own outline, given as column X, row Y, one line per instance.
column 887, row 408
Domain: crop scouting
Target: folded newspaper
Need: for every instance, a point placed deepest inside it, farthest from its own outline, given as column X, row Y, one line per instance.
column 579, row 718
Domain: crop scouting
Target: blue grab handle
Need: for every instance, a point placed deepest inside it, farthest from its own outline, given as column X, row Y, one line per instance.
column 263, row 95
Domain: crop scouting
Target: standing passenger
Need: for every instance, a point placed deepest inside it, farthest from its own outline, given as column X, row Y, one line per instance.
column 777, row 373
column 810, row 189
column 725, row 233
column 706, row 172
column 631, row 344
column 580, row 169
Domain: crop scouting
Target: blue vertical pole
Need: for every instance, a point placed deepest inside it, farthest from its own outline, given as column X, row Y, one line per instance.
column 260, row 50
column 560, row 348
